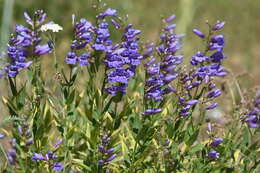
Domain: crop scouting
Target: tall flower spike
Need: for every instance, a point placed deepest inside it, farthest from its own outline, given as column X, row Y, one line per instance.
column 108, row 154
column 160, row 75
column 83, row 35
column 207, row 65
column 23, row 41
column 122, row 61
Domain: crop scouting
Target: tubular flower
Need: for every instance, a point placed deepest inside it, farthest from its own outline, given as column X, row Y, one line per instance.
column 121, row 62
column 207, row 66
column 214, row 155
column 252, row 117
column 83, row 35
column 107, row 153
column 21, row 42
column 160, row 75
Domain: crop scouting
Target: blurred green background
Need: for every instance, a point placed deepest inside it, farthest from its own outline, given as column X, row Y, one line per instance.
column 242, row 17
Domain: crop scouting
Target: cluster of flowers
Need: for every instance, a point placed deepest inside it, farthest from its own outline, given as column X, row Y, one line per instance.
column 207, row 65
column 252, row 117
column 213, row 154
column 25, row 140
column 23, row 41
column 121, row 59
column 160, row 75
column 108, row 154
column 83, row 31
column 49, row 158
column 25, row 134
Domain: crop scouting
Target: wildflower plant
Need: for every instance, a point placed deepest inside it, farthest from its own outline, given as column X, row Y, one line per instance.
column 120, row 105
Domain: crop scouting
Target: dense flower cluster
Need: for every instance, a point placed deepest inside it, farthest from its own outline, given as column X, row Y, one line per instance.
column 108, row 154
column 47, row 158
column 121, row 59
column 252, row 117
column 25, row 39
column 50, row 157
column 122, row 62
column 207, row 66
column 25, row 134
column 83, row 35
column 160, row 75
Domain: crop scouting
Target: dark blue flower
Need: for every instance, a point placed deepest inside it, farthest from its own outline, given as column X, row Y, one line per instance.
column 37, row 156
column 213, row 155
column 57, row 166
column 198, row 33
column 42, row 50
column 107, row 153
column 218, row 26
column 108, row 12
column 216, row 142
column 152, row 111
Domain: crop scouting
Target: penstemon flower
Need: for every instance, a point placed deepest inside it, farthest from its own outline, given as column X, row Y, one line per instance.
column 107, row 153
column 23, row 40
column 160, row 75
column 83, row 35
column 213, row 155
column 252, row 116
column 207, row 66
column 121, row 61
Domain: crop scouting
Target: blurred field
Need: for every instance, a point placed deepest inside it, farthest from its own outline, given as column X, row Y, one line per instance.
column 241, row 31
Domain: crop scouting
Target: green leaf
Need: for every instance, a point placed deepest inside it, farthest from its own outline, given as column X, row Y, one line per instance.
column 196, row 148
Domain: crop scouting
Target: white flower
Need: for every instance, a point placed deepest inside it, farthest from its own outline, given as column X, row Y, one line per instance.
column 51, row 26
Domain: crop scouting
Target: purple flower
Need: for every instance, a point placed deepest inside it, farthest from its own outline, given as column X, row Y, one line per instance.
column 29, row 141
column 23, row 41
column 212, row 106
column 170, row 27
column 191, row 102
column 121, row 60
column 2, row 136
column 198, row 58
column 218, row 26
column 37, row 156
column 111, row 158
column 107, row 153
column 58, row 143
column 216, row 142
column 214, row 94
column 170, row 18
column 217, row 42
column 198, row 33
column 28, row 18
column 71, row 58
column 57, row 166
column 217, row 57
column 42, row 50
column 252, row 117
column 213, row 155
column 11, row 156
column 115, row 23
column 108, row 12
column 152, row 111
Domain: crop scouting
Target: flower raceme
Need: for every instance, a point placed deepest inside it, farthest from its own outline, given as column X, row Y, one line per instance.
column 25, row 39
column 160, row 75
column 207, row 65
